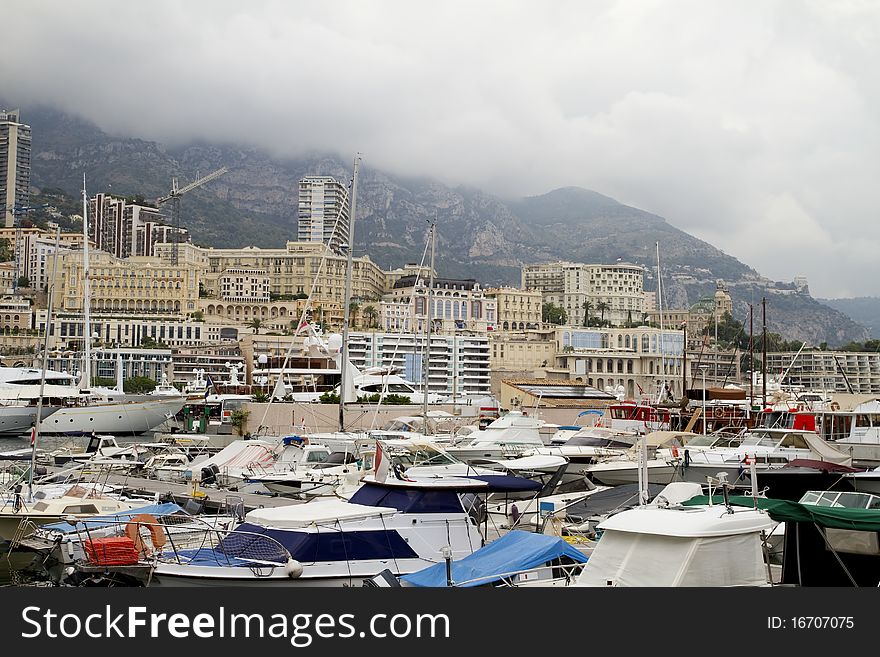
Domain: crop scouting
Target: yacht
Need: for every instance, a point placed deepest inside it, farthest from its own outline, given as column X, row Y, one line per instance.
column 401, row 526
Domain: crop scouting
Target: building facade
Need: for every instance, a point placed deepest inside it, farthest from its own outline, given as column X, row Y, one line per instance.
column 613, row 293
column 828, row 371
column 517, row 310
column 456, row 305
column 632, row 362
column 323, row 212
column 15, row 164
column 126, row 229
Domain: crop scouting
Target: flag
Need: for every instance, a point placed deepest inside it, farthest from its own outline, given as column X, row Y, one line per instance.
column 209, row 384
column 380, row 466
column 489, row 327
column 33, row 435
column 301, row 326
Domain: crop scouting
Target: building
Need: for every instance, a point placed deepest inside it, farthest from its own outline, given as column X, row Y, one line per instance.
column 125, row 229
column 520, row 355
column 459, row 364
column 31, row 247
column 147, row 286
column 8, row 277
column 828, row 371
column 709, row 310
column 457, row 305
column 244, row 285
column 149, row 363
column 632, row 362
column 293, row 273
column 15, row 313
column 409, row 269
column 612, row 293
column 323, row 212
column 214, row 360
column 517, row 310
column 15, row 164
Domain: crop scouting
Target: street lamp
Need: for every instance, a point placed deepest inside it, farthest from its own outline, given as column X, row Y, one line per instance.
column 703, row 369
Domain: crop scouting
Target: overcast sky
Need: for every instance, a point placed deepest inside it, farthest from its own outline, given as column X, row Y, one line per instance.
column 752, row 125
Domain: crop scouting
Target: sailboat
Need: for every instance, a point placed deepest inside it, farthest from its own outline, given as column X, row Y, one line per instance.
column 83, row 411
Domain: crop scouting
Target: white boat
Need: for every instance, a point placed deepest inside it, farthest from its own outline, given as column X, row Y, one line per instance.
column 512, row 435
column 19, row 517
column 659, row 545
column 401, row 526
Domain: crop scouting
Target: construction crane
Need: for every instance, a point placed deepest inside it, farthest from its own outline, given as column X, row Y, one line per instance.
column 174, row 197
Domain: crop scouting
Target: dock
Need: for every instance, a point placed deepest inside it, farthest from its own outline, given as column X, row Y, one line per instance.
column 208, row 498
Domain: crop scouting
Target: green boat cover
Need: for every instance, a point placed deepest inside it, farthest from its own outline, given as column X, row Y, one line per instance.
column 866, row 520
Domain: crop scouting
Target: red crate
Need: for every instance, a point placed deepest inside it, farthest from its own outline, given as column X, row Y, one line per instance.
column 111, row 551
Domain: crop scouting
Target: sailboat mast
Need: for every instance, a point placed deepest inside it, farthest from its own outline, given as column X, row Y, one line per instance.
column 662, row 342
column 346, row 311
column 86, row 379
column 752, row 355
column 430, row 315
column 36, row 429
column 764, row 354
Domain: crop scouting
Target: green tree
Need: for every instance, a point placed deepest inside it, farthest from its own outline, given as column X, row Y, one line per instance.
column 138, row 385
column 260, row 397
column 329, row 398
column 602, row 307
column 553, row 314
column 6, row 254
column 255, row 324
column 199, row 316
column 24, row 281
column 353, row 308
column 587, row 306
column 371, row 315
column 238, row 419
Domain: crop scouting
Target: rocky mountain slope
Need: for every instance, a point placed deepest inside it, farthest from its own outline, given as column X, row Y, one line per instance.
column 479, row 235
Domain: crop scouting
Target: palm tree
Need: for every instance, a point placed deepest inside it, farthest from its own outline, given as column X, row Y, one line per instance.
column 353, row 308
column 587, row 306
column 371, row 314
column 255, row 324
column 602, row 307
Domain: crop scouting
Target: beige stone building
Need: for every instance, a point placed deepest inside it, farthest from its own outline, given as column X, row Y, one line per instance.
column 517, row 309
column 291, row 273
column 140, row 284
column 15, row 313
column 615, row 292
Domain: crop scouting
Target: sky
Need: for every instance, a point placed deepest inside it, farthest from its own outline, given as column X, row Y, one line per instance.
column 754, row 126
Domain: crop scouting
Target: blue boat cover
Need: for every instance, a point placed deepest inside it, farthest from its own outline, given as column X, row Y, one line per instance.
column 506, row 483
column 113, row 518
column 513, row 552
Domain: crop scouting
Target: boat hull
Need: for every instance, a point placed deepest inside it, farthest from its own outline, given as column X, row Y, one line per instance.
column 128, row 418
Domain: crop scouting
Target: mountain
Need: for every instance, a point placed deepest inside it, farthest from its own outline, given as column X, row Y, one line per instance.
column 865, row 310
column 479, row 235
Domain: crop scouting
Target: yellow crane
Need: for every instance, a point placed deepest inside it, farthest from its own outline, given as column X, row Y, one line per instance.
column 174, row 197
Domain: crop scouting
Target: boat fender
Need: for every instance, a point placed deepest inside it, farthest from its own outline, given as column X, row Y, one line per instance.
column 675, row 451
column 687, row 458
column 835, row 406
column 293, row 568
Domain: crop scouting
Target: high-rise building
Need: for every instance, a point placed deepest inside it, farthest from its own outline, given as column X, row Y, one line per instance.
column 15, row 164
column 323, row 214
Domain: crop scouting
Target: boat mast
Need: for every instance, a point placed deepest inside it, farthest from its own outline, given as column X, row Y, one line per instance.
column 346, row 311
column 86, row 379
column 764, row 353
column 36, row 428
column 429, row 314
column 751, row 356
column 662, row 342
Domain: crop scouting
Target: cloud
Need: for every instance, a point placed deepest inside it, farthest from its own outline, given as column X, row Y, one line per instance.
column 722, row 117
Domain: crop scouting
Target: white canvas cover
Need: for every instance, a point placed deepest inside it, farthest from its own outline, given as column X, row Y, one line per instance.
column 827, row 452
column 317, row 512
column 626, row 559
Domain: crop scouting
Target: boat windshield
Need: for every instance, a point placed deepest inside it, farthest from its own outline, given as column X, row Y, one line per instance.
column 389, row 388
column 701, row 441
column 423, row 456
column 760, row 439
column 849, row 500
column 595, row 441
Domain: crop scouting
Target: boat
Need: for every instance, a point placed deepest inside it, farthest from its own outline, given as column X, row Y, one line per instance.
column 19, row 517
column 512, row 435
column 667, row 544
column 397, row 525
column 509, row 560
